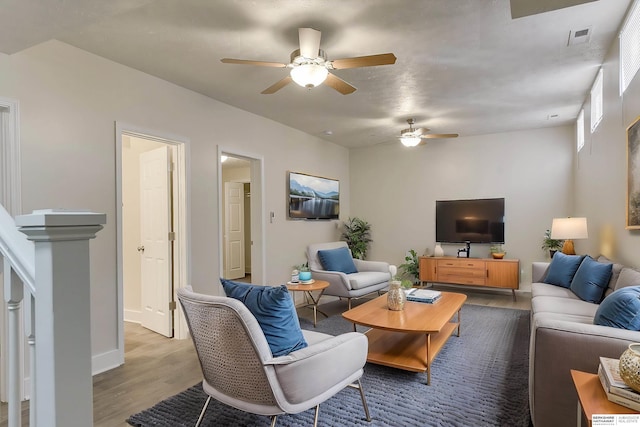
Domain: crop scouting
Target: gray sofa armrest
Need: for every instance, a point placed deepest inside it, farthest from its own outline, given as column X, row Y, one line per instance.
column 538, row 271
column 335, row 278
column 557, row 346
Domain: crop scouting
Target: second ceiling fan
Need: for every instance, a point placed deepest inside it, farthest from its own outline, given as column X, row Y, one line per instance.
column 310, row 67
column 414, row 136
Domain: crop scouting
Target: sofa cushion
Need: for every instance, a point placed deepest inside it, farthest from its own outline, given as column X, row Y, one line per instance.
column 338, row 259
column 544, row 289
column 621, row 309
column 562, row 269
column 628, row 277
column 565, row 306
column 364, row 279
column 591, row 279
column 274, row 310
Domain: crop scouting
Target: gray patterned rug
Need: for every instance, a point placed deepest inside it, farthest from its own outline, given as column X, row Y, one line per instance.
column 477, row 379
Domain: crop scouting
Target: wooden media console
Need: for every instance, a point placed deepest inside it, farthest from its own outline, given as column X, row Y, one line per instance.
column 488, row 272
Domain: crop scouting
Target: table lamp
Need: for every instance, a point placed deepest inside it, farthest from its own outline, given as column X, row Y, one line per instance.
column 568, row 229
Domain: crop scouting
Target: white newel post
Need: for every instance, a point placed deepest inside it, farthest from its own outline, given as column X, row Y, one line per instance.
column 63, row 387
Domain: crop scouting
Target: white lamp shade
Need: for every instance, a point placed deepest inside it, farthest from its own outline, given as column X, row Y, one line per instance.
column 410, row 141
column 569, row 228
column 309, row 75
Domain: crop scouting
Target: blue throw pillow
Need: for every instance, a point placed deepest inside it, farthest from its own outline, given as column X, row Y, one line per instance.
column 562, row 269
column 274, row 310
column 621, row 309
column 591, row 280
column 337, row 260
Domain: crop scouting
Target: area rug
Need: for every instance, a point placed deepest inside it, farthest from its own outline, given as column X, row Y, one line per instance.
column 477, row 379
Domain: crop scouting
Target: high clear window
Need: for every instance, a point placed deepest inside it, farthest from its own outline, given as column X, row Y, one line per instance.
column 630, row 46
column 580, row 130
column 596, row 102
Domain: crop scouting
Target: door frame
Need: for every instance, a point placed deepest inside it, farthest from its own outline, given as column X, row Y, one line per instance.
column 181, row 208
column 258, row 247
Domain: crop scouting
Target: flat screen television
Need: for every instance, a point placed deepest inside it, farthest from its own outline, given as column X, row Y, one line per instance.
column 313, row 197
column 474, row 221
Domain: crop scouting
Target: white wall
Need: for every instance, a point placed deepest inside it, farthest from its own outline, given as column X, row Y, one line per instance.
column 395, row 189
column 601, row 170
column 69, row 102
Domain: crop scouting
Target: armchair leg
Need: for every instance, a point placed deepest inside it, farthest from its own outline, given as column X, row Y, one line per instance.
column 273, row 420
column 349, row 301
column 315, row 419
column 204, row 408
column 364, row 400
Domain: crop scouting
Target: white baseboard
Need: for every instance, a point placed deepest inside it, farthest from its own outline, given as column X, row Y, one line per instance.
column 106, row 361
column 134, row 316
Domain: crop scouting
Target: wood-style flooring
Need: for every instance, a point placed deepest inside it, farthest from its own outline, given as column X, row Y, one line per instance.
column 157, row 367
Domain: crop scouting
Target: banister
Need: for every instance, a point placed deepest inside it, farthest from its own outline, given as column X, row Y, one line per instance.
column 19, row 251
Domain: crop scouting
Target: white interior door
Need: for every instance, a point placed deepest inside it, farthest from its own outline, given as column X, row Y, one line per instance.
column 155, row 245
column 234, row 230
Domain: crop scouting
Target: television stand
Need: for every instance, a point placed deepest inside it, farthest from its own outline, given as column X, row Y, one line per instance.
column 480, row 272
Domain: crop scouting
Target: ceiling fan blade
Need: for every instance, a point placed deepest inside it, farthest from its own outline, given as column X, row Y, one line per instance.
column 422, row 131
column 309, row 42
column 277, row 86
column 338, row 84
column 364, row 61
column 250, row 62
column 440, row 135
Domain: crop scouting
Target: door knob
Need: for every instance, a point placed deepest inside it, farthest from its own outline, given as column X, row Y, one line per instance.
column 141, row 249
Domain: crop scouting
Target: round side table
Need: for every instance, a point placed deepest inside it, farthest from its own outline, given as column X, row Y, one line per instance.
column 310, row 301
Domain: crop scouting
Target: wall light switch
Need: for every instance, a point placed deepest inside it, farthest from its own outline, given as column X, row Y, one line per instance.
column 272, row 215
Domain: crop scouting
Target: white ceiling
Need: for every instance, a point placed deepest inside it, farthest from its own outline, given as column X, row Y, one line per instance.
column 464, row 66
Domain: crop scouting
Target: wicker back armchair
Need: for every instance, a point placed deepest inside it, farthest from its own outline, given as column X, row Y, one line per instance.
column 240, row 371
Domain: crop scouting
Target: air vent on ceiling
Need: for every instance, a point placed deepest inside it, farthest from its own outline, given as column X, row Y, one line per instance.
column 579, row 36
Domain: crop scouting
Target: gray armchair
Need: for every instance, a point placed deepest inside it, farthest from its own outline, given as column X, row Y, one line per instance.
column 372, row 276
column 240, row 371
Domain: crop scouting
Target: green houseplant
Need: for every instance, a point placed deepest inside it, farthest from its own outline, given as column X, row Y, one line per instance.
column 411, row 267
column 552, row 245
column 357, row 234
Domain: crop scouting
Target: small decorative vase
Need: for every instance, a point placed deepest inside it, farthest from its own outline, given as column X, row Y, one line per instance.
column 438, row 251
column 396, row 296
column 304, row 276
column 630, row 366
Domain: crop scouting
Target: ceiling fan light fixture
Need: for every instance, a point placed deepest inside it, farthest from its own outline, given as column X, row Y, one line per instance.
column 309, row 75
column 410, row 141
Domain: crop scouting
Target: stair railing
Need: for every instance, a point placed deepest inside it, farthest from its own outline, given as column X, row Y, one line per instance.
column 46, row 255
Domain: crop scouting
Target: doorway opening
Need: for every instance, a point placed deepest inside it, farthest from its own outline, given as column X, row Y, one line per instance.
column 152, row 230
column 241, row 228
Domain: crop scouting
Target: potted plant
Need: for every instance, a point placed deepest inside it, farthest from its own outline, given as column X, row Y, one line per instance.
column 552, row 245
column 304, row 274
column 411, row 266
column 357, row 234
column 497, row 252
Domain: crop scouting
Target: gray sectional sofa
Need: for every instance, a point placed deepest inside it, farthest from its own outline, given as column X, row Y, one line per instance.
column 564, row 337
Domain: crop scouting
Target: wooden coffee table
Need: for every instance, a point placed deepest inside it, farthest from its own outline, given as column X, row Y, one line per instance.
column 409, row 339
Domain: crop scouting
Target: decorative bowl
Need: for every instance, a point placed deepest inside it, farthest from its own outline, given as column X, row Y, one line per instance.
column 497, row 255
column 630, row 366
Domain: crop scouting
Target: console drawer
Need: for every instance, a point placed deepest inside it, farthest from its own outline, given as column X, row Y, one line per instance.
column 462, row 263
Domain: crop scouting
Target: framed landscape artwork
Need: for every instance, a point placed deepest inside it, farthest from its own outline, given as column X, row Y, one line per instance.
column 633, row 175
column 313, row 197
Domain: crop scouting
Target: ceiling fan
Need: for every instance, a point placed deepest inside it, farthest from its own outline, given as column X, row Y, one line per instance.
column 414, row 136
column 310, row 67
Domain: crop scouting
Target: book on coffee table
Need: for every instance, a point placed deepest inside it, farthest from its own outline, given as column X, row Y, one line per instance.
column 423, row 295
column 616, row 389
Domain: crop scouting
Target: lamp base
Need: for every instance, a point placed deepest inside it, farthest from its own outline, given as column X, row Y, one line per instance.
column 567, row 248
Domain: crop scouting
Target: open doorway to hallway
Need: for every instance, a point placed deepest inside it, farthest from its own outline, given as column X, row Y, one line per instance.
column 236, row 218
column 151, row 212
